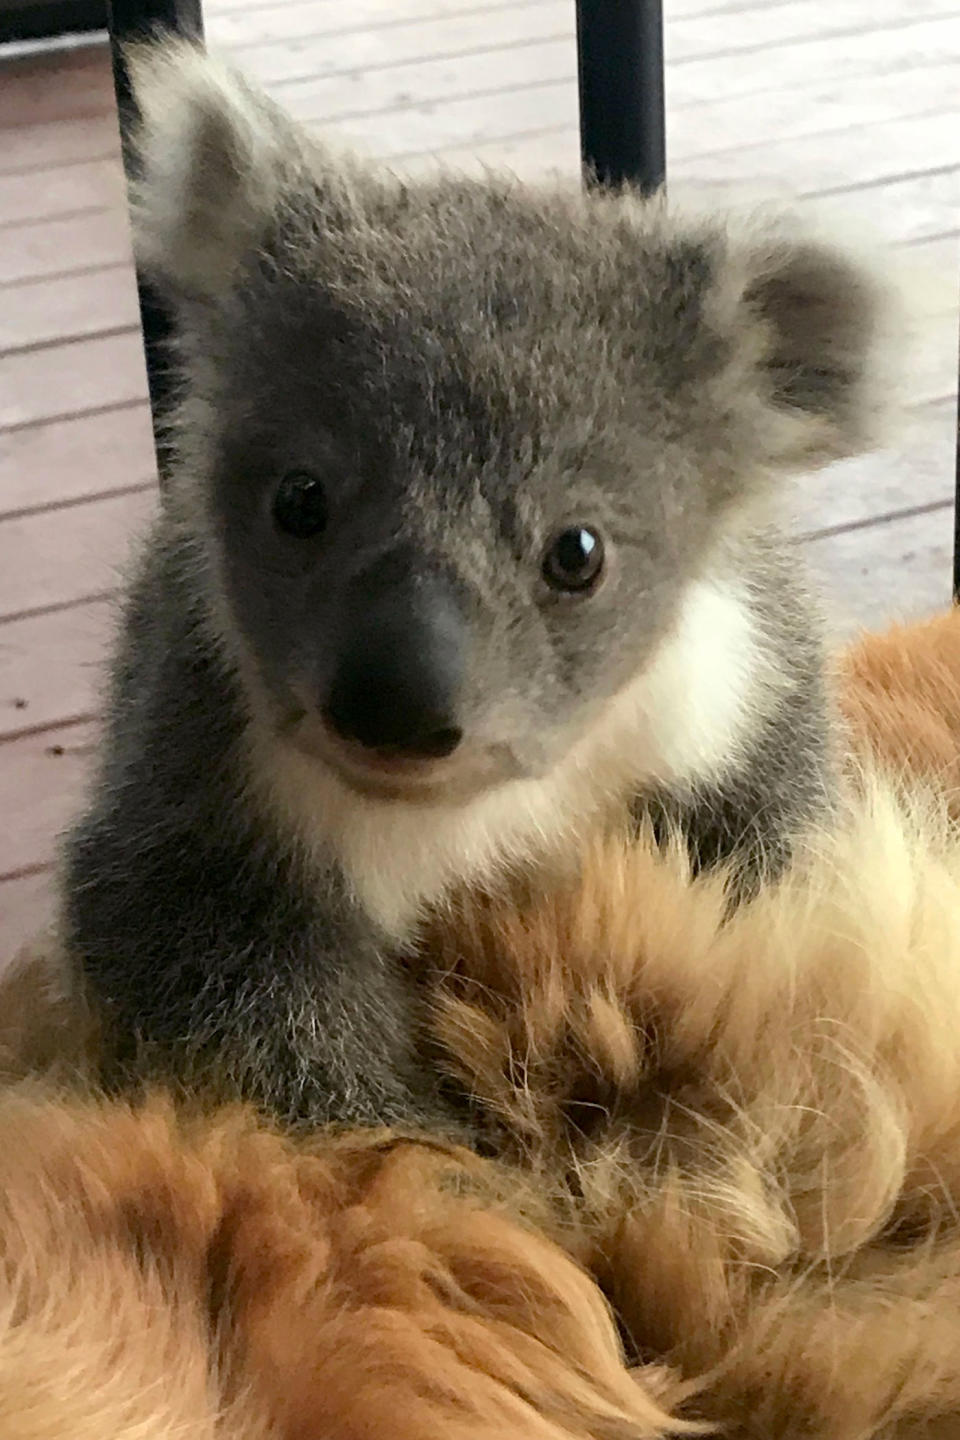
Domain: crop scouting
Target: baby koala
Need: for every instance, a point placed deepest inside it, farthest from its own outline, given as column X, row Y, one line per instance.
column 467, row 551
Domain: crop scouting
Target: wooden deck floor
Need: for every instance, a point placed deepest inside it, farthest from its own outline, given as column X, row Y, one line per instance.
column 849, row 106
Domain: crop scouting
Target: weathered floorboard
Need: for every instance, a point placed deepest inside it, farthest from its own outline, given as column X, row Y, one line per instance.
column 51, row 667
column 58, row 557
column 83, row 457
column 41, row 783
column 26, row 908
column 69, row 307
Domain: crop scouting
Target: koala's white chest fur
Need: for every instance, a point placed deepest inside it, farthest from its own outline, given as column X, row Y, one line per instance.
column 683, row 721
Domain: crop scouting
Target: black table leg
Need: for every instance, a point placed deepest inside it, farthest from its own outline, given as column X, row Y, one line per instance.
column 622, row 131
column 128, row 20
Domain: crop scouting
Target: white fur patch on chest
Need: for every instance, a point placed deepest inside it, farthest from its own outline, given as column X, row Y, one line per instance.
column 698, row 703
column 684, row 720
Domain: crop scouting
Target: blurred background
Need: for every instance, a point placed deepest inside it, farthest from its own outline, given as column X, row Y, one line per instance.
column 848, row 108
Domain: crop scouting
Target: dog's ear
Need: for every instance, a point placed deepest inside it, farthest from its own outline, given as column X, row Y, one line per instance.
column 211, row 157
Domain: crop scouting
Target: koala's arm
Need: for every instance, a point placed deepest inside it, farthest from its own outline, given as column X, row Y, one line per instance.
column 205, row 949
column 210, row 965
column 236, row 984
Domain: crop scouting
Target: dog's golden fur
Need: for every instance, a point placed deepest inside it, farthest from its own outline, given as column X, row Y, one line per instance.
column 900, row 694
column 168, row 1278
column 745, row 1128
column 752, row 1122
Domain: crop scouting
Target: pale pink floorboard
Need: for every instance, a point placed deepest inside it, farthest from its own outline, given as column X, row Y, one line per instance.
column 26, row 906
column 41, row 783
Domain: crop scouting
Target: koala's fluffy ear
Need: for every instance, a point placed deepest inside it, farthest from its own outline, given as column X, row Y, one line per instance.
column 815, row 326
column 210, row 157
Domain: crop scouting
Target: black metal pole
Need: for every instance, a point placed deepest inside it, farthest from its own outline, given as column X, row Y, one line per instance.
column 622, row 129
column 130, row 20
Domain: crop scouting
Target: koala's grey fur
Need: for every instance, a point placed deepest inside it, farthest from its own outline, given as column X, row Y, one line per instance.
column 468, row 366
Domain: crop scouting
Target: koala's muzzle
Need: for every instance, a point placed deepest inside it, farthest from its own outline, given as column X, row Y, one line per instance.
column 397, row 681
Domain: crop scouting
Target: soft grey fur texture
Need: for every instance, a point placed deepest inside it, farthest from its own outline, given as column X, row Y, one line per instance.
column 468, row 366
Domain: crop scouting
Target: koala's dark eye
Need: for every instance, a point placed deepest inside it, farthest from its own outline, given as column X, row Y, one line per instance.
column 300, row 505
column 574, row 559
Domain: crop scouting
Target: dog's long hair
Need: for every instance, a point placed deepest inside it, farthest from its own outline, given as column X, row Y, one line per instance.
column 752, row 1121
column 900, row 694
column 168, row 1278
column 743, row 1128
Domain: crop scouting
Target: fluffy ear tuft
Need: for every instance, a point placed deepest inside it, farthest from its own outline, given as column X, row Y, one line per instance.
column 822, row 347
column 210, row 159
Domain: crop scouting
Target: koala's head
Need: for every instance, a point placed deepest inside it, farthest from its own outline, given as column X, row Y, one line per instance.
column 458, row 450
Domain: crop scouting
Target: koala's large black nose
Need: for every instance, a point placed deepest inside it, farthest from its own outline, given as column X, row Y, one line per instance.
column 397, row 684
